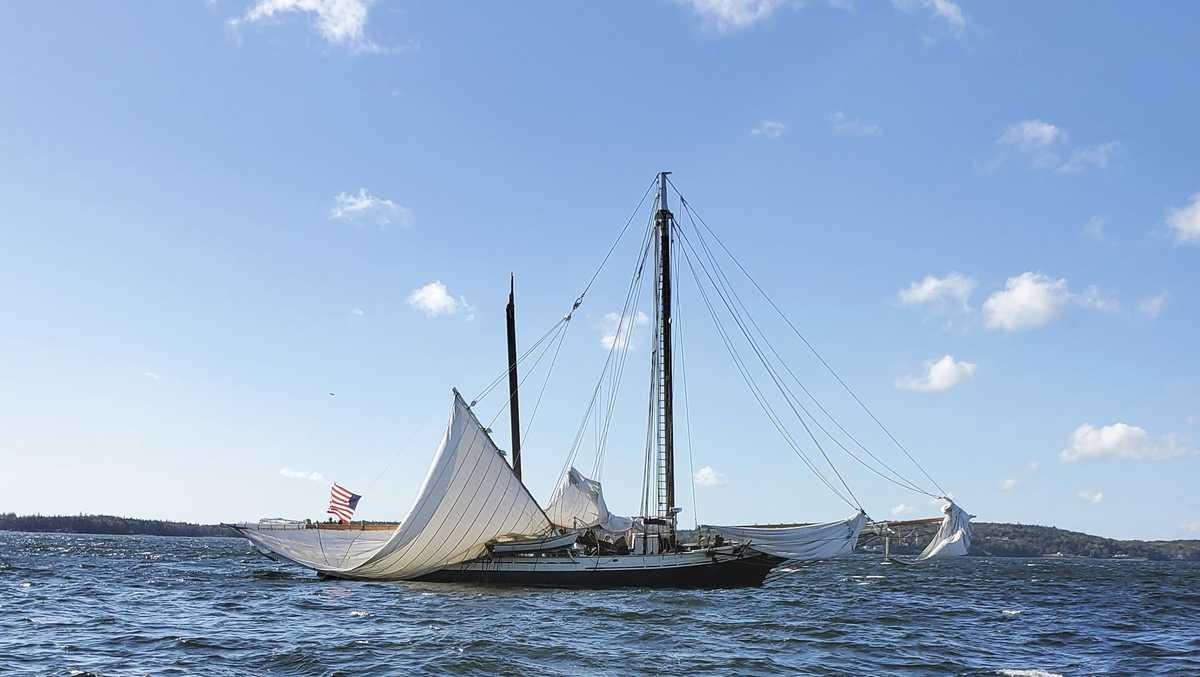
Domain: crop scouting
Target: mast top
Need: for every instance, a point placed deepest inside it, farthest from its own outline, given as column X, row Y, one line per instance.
column 662, row 191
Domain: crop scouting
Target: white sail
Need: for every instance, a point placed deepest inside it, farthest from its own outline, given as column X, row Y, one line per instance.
column 804, row 542
column 469, row 497
column 953, row 537
column 578, row 503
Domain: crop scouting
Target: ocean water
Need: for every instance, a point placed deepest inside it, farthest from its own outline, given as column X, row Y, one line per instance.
column 122, row 605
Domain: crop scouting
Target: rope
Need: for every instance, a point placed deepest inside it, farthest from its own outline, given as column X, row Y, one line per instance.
column 810, row 346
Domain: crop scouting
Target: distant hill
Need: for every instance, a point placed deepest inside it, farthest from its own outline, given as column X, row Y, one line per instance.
column 989, row 538
column 107, row 524
column 1025, row 540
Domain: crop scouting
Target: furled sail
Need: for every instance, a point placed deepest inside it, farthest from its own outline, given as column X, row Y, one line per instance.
column 804, row 542
column 953, row 537
column 578, row 503
column 470, row 497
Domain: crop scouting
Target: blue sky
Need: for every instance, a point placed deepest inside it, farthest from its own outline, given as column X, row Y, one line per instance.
column 986, row 216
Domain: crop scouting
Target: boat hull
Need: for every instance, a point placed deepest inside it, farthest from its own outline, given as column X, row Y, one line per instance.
column 682, row 570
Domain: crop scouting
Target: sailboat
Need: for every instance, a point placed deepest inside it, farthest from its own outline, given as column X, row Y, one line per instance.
column 475, row 521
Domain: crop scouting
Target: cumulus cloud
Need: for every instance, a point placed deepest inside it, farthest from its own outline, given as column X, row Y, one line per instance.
column 708, row 477
column 842, row 124
column 362, row 207
column 1121, row 441
column 903, row 509
column 945, row 10
column 358, row 312
column 615, row 332
column 1184, row 221
column 727, row 16
column 1091, row 157
column 940, row 375
column 954, row 289
column 1152, row 306
column 771, row 129
column 435, row 300
column 1027, row 301
column 1090, row 495
column 152, row 375
column 341, row 23
column 301, row 475
column 1032, row 135
column 1042, row 143
column 1008, row 485
column 1033, row 466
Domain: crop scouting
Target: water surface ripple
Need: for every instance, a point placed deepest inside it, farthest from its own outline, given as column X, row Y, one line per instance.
column 127, row 605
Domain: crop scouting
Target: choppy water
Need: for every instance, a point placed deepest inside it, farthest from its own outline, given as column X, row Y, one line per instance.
column 120, row 605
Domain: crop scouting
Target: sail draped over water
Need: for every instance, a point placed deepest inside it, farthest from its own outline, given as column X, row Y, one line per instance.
column 470, row 497
column 804, row 542
column 578, row 503
column 953, row 537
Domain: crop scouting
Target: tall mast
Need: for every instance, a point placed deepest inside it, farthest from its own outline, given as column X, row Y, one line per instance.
column 513, row 410
column 666, row 436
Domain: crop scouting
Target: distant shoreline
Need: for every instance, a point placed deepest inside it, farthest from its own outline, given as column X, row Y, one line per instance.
column 989, row 538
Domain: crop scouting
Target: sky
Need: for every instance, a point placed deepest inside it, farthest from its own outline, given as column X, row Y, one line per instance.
column 248, row 247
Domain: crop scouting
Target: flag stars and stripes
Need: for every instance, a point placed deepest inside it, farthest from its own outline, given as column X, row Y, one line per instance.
column 342, row 502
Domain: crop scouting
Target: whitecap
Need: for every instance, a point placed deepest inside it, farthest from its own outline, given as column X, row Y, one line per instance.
column 1011, row 612
column 1027, row 673
column 359, row 614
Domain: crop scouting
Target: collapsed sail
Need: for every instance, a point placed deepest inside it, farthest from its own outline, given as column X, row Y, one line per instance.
column 470, row 497
column 578, row 503
column 804, row 542
column 953, row 537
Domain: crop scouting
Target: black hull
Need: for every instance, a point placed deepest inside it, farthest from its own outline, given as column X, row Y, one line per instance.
column 731, row 573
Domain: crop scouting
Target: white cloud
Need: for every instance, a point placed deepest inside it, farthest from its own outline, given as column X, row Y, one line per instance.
column 1032, row 135
column 339, row 22
column 1152, row 306
column 613, row 324
column 363, row 206
column 771, row 129
column 1185, row 221
column 1094, row 229
column 946, row 10
column 1033, row 466
column 1121, row 441
column 1191, row 527
column 152, row 375
column 844, row 125
column 434, row 299
column 358, row 312
column 1090, row 495
column 301, row 475
column 708, row 477
column 1008, row 485
column 939, row 292
column 903, row 509
column 1091, row 157
column 1093, row 299
column 940, row 375
column 727, row 16
column 1028, row 300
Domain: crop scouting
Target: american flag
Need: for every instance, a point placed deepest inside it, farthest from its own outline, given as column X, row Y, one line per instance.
column 342, row 502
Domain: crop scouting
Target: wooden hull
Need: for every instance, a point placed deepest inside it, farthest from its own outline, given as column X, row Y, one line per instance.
column 683, row 570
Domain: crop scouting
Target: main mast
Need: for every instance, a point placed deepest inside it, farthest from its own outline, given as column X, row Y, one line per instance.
column 665, row 394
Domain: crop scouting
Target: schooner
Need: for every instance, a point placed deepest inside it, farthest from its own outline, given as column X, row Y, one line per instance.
column 475, row 521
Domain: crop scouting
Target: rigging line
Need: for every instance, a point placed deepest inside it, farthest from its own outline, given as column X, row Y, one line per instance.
column 677, row 327
column 896, row 478
column 528, row 373
column 618, row 240
column 549, row 372
column 812, row 348
column 574, row 450
column 754, row 390
column 771, row 372
column 504, row 374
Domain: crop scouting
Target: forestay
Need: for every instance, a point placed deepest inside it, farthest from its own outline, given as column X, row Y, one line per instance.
column 578, row 503
column 804, row 542
column 953, row 537
column 469, row 497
